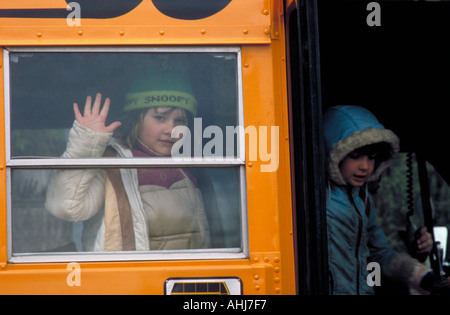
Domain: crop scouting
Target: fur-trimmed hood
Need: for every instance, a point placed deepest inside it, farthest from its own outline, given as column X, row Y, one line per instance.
column 347, row 128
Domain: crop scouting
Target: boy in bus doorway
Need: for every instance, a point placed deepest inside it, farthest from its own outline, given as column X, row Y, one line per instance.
column 359, row 149
column 133, row 209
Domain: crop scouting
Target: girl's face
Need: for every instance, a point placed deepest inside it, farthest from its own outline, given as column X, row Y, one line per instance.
column 356, row 168
column 157, row 126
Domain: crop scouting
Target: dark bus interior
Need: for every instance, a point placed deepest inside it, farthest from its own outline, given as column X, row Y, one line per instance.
column 398, row 70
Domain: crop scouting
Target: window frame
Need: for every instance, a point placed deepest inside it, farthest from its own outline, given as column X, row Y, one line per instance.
column 237, row 161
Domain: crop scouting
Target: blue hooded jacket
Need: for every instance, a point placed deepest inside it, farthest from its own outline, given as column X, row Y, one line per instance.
column 354, row 236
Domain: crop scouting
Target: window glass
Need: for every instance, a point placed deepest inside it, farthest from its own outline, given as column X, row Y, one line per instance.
column 149, row 111
column 44, row 86
column 207, row 216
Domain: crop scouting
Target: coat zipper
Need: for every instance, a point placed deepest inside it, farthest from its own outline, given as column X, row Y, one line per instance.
column 358, row 241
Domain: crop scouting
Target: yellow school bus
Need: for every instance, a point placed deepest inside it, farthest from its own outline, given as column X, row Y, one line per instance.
column 56, row 52
column 258, row 82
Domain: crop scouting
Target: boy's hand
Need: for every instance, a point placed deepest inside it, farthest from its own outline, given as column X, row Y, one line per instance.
column 94, row 118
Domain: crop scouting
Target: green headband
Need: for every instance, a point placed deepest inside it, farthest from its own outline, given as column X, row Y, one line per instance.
column 147, row 99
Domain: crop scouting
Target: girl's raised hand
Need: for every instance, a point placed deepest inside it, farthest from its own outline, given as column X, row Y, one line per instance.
column 94, row 118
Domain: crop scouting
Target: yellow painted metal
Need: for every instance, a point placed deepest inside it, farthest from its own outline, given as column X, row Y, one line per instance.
column 144, row 25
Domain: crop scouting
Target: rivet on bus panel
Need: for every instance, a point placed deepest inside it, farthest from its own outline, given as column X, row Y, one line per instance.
column 80, row 33
column 245, row 31
column 39, row 34
column 161, row 32
column 121, row 33
column 203, row 32
column 265, row 12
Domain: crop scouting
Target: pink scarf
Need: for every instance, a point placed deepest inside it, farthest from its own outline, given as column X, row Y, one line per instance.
column 164, row 177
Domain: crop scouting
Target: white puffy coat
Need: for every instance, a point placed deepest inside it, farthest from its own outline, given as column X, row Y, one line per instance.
column 163, row 218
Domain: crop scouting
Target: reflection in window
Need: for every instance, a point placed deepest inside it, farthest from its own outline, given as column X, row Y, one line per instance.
column 135, row 207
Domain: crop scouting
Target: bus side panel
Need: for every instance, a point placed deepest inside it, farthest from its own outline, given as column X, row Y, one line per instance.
column 3, row 206
column 135, row 278
column 268, row 192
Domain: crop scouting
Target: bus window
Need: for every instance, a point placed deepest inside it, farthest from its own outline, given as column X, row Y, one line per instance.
column 45, row 84
column 40, row 225
column 170, row 178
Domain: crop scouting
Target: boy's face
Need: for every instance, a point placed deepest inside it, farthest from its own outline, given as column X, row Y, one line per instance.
column 356, row 168
column 157, row 127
